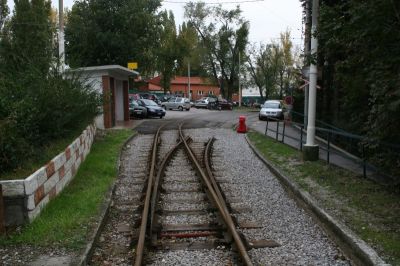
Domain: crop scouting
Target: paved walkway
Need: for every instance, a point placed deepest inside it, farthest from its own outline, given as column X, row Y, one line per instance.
column 337, row 156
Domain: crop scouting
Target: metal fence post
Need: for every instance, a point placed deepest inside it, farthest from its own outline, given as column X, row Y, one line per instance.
column 283, row 133
column 364, row 161
column 301, row 138
column 277, row 129
column 2, row 216
column 266, row 128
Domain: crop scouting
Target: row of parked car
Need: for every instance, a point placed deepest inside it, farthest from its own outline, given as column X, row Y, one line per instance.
column 149, row 105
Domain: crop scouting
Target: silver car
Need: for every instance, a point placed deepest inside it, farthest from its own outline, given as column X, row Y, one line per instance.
column 204, row 102
column 179, row 103
column 271, row 109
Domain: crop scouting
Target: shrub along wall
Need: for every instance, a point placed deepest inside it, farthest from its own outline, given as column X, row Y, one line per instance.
column 25, row 199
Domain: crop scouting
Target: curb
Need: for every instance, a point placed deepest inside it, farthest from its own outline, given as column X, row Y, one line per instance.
column 350, row 244
column 83, row 259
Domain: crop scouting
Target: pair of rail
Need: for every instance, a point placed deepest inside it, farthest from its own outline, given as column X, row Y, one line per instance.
column 208, row 179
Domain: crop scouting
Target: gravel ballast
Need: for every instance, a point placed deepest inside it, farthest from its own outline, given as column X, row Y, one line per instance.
column 302, row 241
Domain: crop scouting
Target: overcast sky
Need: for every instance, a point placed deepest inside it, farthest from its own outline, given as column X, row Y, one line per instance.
column 267, row 18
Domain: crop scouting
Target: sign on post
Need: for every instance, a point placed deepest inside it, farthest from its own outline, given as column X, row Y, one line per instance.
column 132, row 65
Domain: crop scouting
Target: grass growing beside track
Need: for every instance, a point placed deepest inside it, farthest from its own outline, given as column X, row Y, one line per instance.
column 66, row 219
column 371, row 210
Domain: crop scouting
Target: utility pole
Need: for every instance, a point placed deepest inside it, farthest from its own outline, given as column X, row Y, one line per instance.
column 189, row 96
column 61, row 48
column 240, row 89
column 307, row 37
column 311, row 150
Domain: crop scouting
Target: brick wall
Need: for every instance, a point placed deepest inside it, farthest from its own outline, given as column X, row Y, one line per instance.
column 24, row 199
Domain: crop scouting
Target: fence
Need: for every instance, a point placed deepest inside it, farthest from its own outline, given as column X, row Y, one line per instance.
column 2, row 218
column 351, row 149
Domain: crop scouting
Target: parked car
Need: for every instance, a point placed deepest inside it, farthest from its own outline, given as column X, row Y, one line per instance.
column 271, row 109
column 153, row 110
column 135, row 110
column 179, row 103
column 204, row 102
column 224, row 105
column 150, row 96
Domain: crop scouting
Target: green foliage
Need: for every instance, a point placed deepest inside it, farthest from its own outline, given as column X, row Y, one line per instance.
column 360, row 55
column 37, row 104
column 224, row 35
column 271, row 67
column 191, row 51
column 4, row 10
column 168, row 53
column 103, row 32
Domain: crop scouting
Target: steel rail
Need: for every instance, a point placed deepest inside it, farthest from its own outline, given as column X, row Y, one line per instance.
column 238, row 240
column 156, row 187
column 219, row 204
column 145, row 213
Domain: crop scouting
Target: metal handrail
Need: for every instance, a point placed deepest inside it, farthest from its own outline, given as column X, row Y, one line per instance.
column 328, row 142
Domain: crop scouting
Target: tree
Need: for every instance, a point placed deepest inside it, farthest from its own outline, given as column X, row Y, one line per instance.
column 360, row 61
column 37, row 105
column 285, row 65
column 262, row 66
column 192, row 52
column 271, row 67
column 27, row 42
column 168, row 53
column 102, row 32
column 3, row 12
column 224, row 35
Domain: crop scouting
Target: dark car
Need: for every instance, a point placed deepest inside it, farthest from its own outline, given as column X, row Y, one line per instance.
column 153, row 110
column 135, row 110
column 150, row 96
column 224, row 105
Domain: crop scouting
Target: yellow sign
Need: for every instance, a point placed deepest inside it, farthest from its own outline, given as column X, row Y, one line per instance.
column 132, row 65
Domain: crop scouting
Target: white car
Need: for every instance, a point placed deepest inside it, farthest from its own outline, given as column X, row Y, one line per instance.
column 271, row 109
column 179, row 103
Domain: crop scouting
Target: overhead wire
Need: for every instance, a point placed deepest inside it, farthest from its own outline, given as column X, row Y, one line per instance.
column 213, row 3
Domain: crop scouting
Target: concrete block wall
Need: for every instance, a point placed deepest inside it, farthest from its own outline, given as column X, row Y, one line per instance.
column 25, row 199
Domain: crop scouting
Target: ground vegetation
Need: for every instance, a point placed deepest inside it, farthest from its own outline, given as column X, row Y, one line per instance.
column 37, row 104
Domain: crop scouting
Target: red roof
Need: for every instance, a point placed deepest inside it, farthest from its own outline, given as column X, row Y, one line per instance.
column 182, row 80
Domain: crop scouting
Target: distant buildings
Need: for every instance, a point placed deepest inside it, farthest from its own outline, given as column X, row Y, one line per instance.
column 199, row 87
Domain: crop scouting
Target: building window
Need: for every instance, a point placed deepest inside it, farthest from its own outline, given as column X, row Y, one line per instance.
column 199, row 92
column 210, row 93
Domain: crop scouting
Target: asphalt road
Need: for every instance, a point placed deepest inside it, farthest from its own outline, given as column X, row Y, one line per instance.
column 203, row 118
column 200, row 118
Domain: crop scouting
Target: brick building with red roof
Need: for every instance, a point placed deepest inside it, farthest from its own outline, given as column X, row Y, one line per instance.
column 199, row 87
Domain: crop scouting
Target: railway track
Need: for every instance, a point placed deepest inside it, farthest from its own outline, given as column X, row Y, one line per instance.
column 168, row 208
column 184, row 190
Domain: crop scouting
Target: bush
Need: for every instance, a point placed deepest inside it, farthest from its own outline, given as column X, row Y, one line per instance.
column 13, row 148
column 48, row 109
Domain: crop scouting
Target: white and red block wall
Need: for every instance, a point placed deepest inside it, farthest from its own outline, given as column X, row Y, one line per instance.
column 24, row 199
